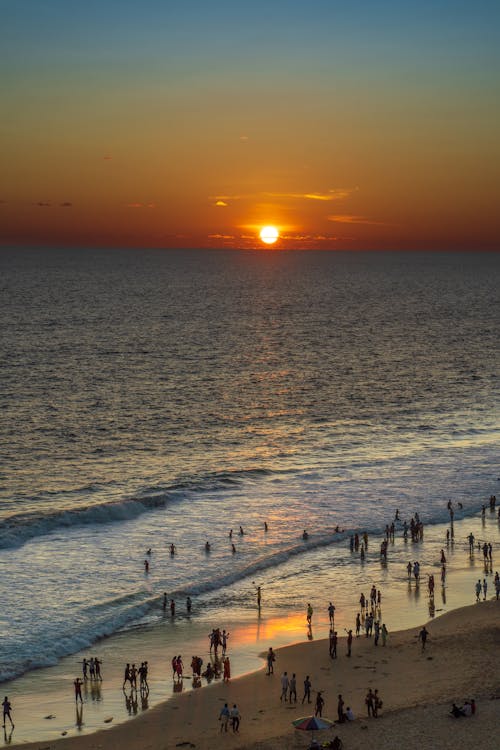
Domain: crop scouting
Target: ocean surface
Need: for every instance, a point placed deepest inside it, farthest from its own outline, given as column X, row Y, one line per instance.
column 158, row 397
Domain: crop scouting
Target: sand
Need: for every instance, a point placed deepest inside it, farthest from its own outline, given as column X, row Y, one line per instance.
column 461, row 661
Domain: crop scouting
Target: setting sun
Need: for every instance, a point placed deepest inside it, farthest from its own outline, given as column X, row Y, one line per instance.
column 269, row 235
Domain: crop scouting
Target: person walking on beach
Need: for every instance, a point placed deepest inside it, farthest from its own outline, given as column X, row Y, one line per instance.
column 349, row 642
column 485, row 589
column 422, row 636
column 224, row 717
column 377, row 703
column 285, row 683
column 259, row 597
column 271, row 658
column 293, row 689
column 478, row 589
column 235, row 718
column 331, row 613
column 77, row 684
column 318, row 709
column 307, row 689
column 7, row 708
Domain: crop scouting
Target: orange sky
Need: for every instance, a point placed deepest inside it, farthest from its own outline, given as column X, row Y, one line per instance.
column 194, row 130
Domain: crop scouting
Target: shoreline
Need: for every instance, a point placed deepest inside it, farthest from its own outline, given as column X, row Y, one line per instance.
column 404, row 607
column 461, row 661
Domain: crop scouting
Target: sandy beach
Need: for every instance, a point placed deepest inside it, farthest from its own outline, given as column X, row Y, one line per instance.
column 461, row 661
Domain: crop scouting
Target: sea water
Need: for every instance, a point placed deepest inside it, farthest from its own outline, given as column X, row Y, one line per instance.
column 152, row 397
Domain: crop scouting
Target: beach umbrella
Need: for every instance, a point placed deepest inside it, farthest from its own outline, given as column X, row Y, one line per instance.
column 312, row 724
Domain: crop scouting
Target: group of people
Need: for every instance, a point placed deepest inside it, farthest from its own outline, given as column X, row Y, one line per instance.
column 91, row 668
column 218, row 639
column 133, row 673
column 229, row 715
column 166, row 605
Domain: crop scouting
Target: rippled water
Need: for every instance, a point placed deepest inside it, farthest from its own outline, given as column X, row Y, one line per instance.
column 153, row 397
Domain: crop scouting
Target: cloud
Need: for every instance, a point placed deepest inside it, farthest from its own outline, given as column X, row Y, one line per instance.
column 141, row 205
column 66, row 204
column 334, row 194
column 221, row 237
column 107, row 158
column 220, row 203
column 243, row 137
column 349, row 219
column 43, row 203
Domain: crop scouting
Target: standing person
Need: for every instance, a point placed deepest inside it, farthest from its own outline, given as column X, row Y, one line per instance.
column 259, row 596
column 285, row 682
column 7, row 708
column 77, row 684
column 471, row 540
column 227, row 669
column 349, row 642
column 309, row 613
column 340, row 709
column 126, row 676
column 422, row 636
column 485, row 588
column 165, row 600
column 224, row 717
column 331, row 613
column 377, row 703
column 179, row 668
column 333, row 643
column 318, row 709
column 271, row 658
column 85, row 666
column 97, row 668
column 235, row 718
column 358, row 624
column 369, row 702
column 385, row 633
column 188, row 605
column 172, row 607
column 478, row 589
column 293, row 689
column 307, row 689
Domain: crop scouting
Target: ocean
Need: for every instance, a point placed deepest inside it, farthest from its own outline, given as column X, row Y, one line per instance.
column 152, row 398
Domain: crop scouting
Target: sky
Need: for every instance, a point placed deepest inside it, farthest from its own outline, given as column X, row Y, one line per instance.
column 359, row 125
